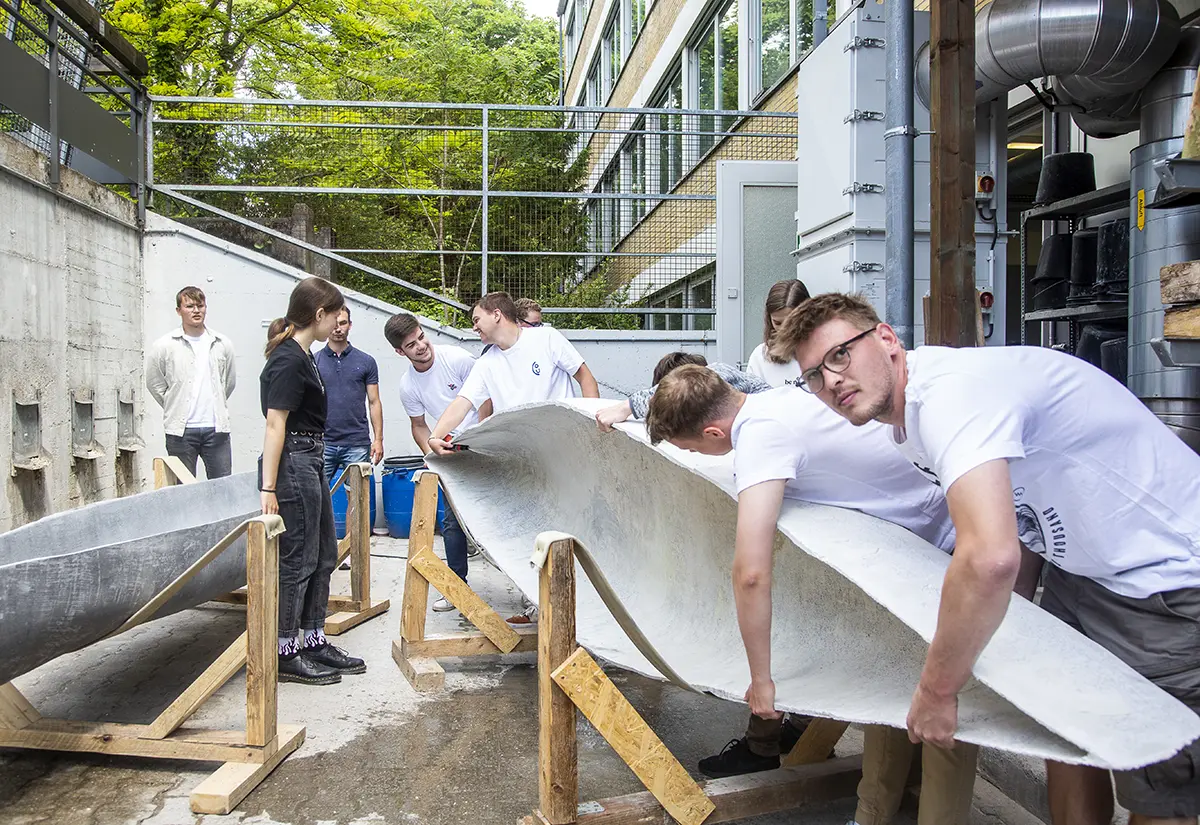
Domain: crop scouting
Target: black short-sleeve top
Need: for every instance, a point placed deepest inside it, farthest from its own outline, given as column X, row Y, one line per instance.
column 290, row 381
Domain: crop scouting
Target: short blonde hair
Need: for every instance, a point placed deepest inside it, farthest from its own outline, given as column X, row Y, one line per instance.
column 816, row 312
column 686, row 400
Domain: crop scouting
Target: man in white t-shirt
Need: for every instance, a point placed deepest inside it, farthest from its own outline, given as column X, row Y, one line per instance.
column 788, row 445
column 1035, row 446
column 526, row 365
column 190, row 372
column 432, row 381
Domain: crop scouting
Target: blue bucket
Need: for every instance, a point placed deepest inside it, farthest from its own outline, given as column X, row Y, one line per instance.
column 398, row 491
column 340, row 503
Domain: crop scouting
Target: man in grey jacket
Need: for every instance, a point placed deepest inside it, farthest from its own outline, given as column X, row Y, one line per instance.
column 190, row 373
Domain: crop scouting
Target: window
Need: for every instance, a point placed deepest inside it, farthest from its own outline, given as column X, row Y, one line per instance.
column 637, row 17
column 692, row 292
column 570, row 38
column 702, row 298
column 774, row 41
column 804, row 23
column 613, row 52
column 633, row 162
column 675, row 302
column 666, row 134
column 610, row 208
column 714, row 63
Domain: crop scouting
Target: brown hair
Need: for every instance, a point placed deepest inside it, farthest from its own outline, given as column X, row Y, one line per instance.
column 501, row 301
column 782, row 295
column 400, row 326
column 309, row 295
column 673, row 361
column 525, row 306
column 192, row 293
column 816, row 312
column 685, row 401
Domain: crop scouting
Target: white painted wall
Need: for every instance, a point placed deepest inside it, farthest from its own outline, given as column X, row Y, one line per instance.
column 246, row 290
column 71, row 286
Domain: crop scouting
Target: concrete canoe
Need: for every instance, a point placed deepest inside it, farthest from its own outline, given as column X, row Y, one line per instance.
column 855, row 598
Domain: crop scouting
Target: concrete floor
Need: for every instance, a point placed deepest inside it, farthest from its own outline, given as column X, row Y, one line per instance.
column 376, row 751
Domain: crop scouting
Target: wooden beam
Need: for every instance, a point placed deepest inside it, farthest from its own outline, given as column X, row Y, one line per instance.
column 739, row 797
column 415, row 605
column 1191, row 132
column 1182, row 322
column 423, row 673
column 198, row 692
column 130, row 740
column 558, row 756
column 338, row 623
column 816, row 743
column 624, row 729
column 84, row 15
column 468, row 644
column 15, row 711
column 358, row 529
column 952, row 175
column 1180, row 283
column 222, row 791
column 169, row 471
column 456, row 591
column 262, row 631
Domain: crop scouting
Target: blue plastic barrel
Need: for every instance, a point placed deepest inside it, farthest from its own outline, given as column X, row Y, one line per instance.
column 341, row 501
column 398, row 491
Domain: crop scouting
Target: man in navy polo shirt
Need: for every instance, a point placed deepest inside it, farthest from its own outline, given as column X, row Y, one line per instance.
column 351, row 380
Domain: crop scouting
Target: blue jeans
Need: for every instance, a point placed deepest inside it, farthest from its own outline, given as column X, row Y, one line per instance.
column 337, row 459
column 207, row 444
column 455, row 541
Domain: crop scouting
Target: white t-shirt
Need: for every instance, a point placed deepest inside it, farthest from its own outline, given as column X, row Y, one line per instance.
column 429, row 393
column 777, row 375
column 788, row 434
column 538, row 367
column 1101, row 487
column 202, row 412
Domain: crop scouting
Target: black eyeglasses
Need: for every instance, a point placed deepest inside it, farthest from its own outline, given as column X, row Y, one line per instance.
column 531, row 325
column 836, row 360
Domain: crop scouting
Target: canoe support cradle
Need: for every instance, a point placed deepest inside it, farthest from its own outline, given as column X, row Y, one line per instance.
column 569, row 679
column 345, row 612
column 248, row 755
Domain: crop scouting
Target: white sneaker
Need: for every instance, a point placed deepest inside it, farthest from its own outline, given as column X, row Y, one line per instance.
column 442, row 605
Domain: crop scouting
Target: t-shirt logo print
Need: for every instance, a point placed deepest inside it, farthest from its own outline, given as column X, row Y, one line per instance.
column 536, row 369
column 452, row 386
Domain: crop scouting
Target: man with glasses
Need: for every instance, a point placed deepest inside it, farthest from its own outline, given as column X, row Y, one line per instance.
column 786, row 444
column 529, row 312
column 1034, row 446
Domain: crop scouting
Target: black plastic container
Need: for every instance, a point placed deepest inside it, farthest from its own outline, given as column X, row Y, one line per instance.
column 1092, row 338
column 1048, row 289
column 1083, row 266
column 1114, row 358
column 1112, row 260
column 1065, row 175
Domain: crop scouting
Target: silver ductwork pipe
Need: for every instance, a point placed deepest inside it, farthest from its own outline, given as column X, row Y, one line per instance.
column 1101, row 54
column 1168, row 236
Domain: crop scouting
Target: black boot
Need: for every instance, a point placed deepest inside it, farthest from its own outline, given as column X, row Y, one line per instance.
column 298, row 667
column 736, row 758
column 334, row 657
column 793, row 727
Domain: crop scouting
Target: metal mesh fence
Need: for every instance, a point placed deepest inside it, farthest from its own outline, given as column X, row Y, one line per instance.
column 583, row 210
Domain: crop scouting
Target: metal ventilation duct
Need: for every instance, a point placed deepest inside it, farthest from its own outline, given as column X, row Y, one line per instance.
column 1101, row 54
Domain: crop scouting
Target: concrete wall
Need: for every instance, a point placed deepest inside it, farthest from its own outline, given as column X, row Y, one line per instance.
column 246, row 290
column 71, row 287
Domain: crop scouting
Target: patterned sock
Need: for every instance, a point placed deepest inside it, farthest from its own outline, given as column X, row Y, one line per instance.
column 314, row 638
column 288, row 645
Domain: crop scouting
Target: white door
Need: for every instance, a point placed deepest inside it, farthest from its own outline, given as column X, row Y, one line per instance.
column 756, row 235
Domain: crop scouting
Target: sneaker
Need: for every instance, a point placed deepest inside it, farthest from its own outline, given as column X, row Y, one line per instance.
column 527, row 616
column 298, row 667
column 442, row 605
column 735, row 759
column 793, row 728
column 335, row 658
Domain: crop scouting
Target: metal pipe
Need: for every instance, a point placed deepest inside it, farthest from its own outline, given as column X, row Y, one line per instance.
column 899, row 131
column 483, row 268
column 820, row 21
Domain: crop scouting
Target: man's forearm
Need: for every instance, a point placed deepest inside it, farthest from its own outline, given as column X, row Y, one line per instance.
column 421, row 434
column 451, row 418
column 753, row 598
column 975, row 597
column 587, row 382
column 376, row 410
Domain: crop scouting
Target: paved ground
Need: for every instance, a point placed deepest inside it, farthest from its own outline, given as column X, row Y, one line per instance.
column 376, row 751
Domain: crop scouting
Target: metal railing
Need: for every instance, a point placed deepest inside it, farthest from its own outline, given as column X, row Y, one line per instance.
column 65, row 94
column 604, row 216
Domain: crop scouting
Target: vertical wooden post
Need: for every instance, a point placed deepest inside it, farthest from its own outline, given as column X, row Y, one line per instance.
column 1191, row 132
column 359, row 529
column 420, row 536
column 952, row 169
column 262, row 630
column 161, row 477
column 558, row 765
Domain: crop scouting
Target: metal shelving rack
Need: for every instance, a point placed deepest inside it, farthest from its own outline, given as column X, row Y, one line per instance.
column 1072, row 210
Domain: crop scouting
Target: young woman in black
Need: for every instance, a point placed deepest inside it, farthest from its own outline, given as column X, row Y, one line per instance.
column 293, row 484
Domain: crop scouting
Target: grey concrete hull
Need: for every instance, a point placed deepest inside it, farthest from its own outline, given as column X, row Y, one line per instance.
column 72, row 578
column 855, row 598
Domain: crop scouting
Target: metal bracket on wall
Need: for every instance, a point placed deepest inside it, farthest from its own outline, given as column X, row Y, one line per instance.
column 83, row 426
column 862, row 114
column 27, row 436
column 865, row 43
column 127, row 437
column 858, row 266
column 868, row 188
